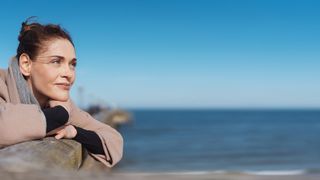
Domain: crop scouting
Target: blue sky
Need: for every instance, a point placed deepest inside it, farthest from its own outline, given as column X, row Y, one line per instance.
column 183, row 53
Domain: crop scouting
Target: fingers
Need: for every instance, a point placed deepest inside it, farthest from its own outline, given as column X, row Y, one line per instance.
column 60, row 134
column 55, row 131
column 68, row 131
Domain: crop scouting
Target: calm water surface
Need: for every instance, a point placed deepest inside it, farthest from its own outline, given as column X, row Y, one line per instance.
column 229, row 140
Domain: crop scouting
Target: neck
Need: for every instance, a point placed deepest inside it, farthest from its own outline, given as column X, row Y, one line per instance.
column 42, row 100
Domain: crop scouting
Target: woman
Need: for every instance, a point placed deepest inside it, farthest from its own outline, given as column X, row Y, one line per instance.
column 35, row 101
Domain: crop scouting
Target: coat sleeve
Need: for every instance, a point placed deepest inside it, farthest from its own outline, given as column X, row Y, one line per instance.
column 112, row 140
column 19, row 122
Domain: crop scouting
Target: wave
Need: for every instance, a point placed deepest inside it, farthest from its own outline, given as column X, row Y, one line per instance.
column 245, row 172
column 277, row 172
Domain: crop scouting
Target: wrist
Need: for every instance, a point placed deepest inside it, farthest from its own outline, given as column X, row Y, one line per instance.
column 55, row 117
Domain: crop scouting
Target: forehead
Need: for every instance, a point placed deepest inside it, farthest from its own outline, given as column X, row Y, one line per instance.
column 58, row 47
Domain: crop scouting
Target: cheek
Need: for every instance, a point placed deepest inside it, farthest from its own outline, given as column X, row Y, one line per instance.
column 43, row 80
column 73, row 79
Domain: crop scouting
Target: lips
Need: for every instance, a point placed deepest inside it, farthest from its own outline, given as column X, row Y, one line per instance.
column 64, row 86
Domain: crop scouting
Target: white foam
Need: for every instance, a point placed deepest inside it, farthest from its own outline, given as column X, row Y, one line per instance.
column 196, row 173
column 188, row 173
column 191, row 173
column 276, row 172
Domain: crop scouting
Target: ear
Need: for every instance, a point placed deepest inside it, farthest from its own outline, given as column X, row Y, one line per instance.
column 25, row 64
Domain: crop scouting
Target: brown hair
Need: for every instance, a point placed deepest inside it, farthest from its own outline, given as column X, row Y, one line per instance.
column 33, row 36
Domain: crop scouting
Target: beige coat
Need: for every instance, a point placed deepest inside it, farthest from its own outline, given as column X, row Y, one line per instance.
column 24, row 122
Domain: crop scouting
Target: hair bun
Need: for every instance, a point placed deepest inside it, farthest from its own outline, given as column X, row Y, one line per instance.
column 25, row 27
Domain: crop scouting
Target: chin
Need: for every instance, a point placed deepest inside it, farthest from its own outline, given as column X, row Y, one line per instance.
column 60, row 97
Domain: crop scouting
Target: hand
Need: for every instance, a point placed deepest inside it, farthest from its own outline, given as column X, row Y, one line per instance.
column 66, row 104
column 68, row 132
column 53, row 132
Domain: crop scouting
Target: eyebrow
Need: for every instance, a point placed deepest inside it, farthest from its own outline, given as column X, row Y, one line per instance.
column 61, row 57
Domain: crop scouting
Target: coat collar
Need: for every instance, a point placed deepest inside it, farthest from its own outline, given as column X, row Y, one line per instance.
column 12, row 87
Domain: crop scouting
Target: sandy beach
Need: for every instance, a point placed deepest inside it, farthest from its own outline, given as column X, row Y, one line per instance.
column 98, row 175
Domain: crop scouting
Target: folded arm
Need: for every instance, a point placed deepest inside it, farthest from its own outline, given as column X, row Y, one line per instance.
column 111, row 140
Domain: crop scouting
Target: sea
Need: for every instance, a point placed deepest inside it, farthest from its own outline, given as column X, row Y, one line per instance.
column 285, row 141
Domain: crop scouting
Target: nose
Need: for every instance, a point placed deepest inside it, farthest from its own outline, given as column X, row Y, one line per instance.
column 67, row 71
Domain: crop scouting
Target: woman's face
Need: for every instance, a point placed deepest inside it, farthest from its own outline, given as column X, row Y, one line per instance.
column 52, row 72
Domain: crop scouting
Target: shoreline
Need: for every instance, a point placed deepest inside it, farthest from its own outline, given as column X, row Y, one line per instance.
column 213, row 176
column 53, row 174
column 264, row 172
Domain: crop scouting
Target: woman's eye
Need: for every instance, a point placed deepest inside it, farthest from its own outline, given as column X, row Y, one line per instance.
column 56, row 61
column 73, row 65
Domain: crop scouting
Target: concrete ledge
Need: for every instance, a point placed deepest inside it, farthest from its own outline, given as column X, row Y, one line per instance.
column 58, row 154
column 40, row 154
